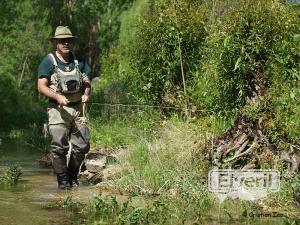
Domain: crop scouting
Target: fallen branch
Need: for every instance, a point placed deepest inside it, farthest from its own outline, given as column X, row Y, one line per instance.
column 250, row 165
column 240, row 141
column 241, row 149
column 247, row 152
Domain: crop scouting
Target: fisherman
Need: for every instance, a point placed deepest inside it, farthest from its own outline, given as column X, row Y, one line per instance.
column 64, row 77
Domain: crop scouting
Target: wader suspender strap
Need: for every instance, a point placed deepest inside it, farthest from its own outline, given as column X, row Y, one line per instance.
column 77, row 67
column 52, row 59
column 76, row 63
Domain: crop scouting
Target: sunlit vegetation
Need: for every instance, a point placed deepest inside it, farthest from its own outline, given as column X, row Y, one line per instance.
column 191, row 76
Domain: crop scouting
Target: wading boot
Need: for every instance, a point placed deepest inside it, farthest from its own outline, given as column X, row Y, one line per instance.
column 63, row 181
column 73, row 180
column 73, row 167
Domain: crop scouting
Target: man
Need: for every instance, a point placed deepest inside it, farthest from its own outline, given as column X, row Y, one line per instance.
column 63, row 77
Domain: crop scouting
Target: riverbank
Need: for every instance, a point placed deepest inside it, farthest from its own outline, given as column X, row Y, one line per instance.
column 148, row 168
column 166, row 161
column 155, row 172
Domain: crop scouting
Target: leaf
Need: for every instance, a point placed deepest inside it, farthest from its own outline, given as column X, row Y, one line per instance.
column 292, row 95
column 243, row 50
column 237, row 64
column 226, row 41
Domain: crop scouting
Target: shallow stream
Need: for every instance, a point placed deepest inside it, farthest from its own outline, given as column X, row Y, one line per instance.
column 24, row 204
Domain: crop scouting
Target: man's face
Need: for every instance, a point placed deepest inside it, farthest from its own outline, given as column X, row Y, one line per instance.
column 64, row 45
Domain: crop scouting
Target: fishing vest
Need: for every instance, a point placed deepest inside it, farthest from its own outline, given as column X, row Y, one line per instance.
column 67, row 83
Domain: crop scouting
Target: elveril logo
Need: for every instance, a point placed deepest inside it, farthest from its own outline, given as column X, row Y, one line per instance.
column 243, row 184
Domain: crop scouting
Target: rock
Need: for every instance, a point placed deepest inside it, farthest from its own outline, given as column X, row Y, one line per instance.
column 95, row 161
column 95, row 155
column 96, row 178
column 95, row 165
column 110, row 159
column 111, row 171
column 102, row 165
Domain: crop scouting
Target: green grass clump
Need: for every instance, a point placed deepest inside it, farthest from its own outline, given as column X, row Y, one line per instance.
column 10, row 175
column 116, row 128
column 177, row 149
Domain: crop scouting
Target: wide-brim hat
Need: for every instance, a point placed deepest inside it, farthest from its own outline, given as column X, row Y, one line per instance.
column 62, row 32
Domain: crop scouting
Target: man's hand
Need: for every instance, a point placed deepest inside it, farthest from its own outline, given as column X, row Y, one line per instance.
column 84, row 98
column 45, row 90
column 62, row 100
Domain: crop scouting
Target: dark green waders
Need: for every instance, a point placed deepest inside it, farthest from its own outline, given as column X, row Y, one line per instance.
column 66, row 125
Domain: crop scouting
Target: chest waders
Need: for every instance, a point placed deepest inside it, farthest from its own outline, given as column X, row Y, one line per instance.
column 64, row 125
column 67, row 83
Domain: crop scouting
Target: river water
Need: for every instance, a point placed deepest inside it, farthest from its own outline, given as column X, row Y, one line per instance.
column 24, row 203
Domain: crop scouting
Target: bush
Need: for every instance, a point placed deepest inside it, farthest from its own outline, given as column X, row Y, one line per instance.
column 167, row 35
column 241, row 48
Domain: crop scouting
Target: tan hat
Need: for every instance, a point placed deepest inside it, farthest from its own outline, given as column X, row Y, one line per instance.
column 62, row 32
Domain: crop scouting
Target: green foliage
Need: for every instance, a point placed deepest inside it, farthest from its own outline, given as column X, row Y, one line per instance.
column 232, row 52
column 291, row 220
column 111, row 134
column 284, row 123
column 111, row 87
column 240, row 49
column 107, row 210
column 159, row 163
column 288, row 195
column 251, row 112
column 167, row 34
column 295, row 183
column 70, row 204
column 32, row 136
column 120, row 126
column 10, row 175
column 22, row 42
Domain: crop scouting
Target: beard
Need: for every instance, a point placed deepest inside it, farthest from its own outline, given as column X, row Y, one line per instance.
column 64, row 49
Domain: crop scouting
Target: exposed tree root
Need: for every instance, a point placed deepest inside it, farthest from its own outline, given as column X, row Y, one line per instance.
column 246, row 146
column 292, row 160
